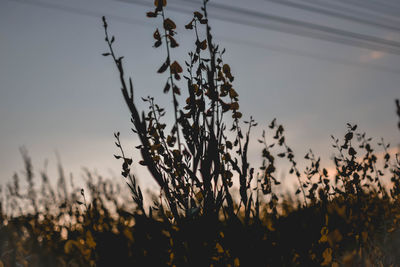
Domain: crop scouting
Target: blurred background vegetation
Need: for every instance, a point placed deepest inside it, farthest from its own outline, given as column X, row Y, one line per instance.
column 213, row 208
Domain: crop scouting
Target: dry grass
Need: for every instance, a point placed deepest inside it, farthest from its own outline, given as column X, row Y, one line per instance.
column 346, row 218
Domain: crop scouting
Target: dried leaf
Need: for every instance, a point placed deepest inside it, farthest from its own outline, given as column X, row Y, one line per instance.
column 164, row 66
column 169, row 24
column 198, row 15
column 156, row 35
column 151, row 14
column 176, row 68
column 157, row 3
column 166, row 88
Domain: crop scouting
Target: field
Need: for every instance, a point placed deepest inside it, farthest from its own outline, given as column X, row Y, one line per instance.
column 349, row 217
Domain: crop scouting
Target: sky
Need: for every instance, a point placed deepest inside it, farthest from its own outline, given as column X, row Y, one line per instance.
column 58, row 95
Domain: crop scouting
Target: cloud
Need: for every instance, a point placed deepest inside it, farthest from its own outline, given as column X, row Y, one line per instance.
column 371, row 56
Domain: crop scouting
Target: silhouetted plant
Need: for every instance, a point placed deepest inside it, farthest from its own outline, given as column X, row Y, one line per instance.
column 346, row 218
column 196, row 162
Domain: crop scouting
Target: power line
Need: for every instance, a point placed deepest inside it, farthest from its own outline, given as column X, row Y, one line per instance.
column 79, row 11
column 270, row 47
column 227, row 39
column 296, row 27
column 388, row 4
column 391, row 3
column 371, row 6
column 372, row 42
column 351, row 12
column 317, row 29
column 334, row 14
column 299, row 53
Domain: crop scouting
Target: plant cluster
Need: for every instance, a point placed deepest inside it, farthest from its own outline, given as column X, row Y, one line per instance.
column 46, row 225
column 196, row 162
column 348, row 217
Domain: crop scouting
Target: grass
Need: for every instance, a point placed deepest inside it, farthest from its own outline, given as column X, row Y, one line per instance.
column 346, row 218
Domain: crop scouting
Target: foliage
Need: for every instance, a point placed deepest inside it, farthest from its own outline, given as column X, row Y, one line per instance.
column 346, row 218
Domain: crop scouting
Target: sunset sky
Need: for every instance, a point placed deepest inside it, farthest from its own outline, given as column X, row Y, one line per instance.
column 58, row 94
